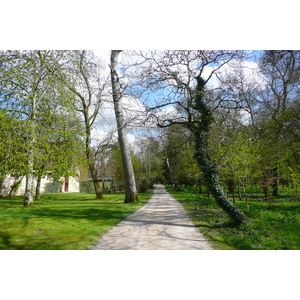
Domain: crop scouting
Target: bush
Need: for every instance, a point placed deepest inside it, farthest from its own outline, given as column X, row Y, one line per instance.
column 54, row 187
column 87, row 187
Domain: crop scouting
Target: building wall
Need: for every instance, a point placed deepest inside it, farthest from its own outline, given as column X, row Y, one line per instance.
column 73, row 185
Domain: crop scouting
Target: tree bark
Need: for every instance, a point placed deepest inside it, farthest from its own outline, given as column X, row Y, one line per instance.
column 1, row 185
column 231, row 187
column 131, row 194
column 212, row 180
column 239, row 190
column 275, row 182
column 92, row 166
column 200, row 132
column 28, row 197
column 38, row 188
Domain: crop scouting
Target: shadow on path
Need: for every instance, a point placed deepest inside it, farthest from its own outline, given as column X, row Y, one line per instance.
column 162, row 224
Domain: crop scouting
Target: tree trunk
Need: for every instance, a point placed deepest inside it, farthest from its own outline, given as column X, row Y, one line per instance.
column 95, row 178
column 38, row 183
column 233, row 196
column 198, row 186
column 208, row 166
column 28, row 197
column 239, row 190
column 266, row 191
column 38, row 188
column 212, row 180
column 93, row 170
column 1, row 185
column 131, row 194
column 275, row 182
column 231, row 185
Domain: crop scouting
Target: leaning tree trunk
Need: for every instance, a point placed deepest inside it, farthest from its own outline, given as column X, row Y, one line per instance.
column 208, row 166
column 131, row 194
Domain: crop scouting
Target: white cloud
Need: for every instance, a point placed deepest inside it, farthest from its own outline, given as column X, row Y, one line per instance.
column 248, row 70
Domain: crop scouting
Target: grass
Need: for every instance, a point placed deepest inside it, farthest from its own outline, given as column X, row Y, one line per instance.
column 65, row 221
column 274, row 227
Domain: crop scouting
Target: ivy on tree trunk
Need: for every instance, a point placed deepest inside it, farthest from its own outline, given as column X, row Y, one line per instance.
column 200, row 131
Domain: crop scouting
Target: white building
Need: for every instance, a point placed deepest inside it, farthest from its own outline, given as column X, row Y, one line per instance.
column 48, row 184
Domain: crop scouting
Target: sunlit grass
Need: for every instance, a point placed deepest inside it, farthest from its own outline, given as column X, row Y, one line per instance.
column 61, row 221
column 269, row 227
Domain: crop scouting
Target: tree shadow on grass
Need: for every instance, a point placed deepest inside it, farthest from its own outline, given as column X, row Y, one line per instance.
column 90, row 213
column 227, row 224
column 54, row 220
column 7, row 244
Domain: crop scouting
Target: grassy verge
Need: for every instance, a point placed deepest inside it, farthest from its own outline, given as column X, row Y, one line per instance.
column 273, row 227
column 65, row 221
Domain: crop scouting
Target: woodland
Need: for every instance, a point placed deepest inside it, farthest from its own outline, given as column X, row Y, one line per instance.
column 224, row 124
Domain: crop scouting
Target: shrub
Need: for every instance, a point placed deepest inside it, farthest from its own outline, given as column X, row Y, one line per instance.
column 53, row 187
column 86, row 187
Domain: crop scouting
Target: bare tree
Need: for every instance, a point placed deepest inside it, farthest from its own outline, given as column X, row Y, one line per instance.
column 131, row 194
column 82, row 76
column 180, row 80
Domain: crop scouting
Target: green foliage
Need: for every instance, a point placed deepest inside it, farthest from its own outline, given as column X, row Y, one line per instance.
column 39, row 126
column 13, row 144
column 116, row 168
column 87, row 187
column 181, row 167
column 54, row 187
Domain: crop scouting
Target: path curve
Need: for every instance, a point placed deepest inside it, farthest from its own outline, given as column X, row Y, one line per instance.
column 161, row 224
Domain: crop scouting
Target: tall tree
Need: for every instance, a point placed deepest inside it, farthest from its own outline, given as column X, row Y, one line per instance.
column 131, row 194
column 180, row 74
column 26, row 77
column 81, row 74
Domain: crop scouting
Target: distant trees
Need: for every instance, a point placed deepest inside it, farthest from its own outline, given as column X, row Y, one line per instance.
column 268, row 106
column 150, row 155
column 147, row 164
column 280, row 100
column 180, row 166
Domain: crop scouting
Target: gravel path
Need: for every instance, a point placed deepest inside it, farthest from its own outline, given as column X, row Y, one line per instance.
column 161, row 224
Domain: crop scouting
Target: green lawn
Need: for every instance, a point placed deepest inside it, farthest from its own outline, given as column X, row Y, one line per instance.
column 269, row 227
column 65, row 221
